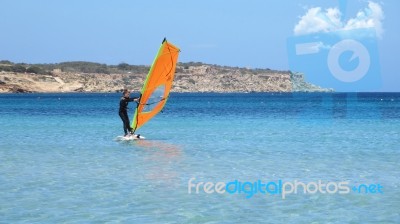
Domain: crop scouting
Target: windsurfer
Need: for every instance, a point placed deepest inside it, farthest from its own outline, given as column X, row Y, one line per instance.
column 123, row 111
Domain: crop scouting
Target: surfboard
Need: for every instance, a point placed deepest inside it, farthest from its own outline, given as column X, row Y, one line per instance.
column 129, row 137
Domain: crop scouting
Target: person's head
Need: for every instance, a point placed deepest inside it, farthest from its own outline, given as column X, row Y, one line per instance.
column 126, row 93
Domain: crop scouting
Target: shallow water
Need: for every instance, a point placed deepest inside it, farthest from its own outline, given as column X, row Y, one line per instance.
column 59, row 161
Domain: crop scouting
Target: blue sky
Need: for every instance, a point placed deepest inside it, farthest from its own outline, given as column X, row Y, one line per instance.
column 234, row 33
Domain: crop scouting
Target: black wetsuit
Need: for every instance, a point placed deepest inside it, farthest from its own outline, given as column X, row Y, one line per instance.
column 123, row 113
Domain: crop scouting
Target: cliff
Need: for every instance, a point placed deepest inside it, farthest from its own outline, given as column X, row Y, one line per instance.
column 189, row 78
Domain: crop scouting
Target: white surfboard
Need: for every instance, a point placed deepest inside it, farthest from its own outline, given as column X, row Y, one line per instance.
column 129, row 137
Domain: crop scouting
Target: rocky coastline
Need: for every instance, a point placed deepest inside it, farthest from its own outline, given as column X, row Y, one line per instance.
column 188, row 78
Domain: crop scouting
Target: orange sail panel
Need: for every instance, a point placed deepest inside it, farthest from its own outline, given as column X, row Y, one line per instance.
column 157, row 86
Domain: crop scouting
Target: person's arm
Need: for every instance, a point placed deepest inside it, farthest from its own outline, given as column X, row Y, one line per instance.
column 136, row 99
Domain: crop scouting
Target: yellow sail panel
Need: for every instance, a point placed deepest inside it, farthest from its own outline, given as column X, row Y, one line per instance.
column 158, row 84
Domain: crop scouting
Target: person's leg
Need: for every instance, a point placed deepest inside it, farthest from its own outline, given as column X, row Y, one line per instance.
column 125, row 122
column 128, row 124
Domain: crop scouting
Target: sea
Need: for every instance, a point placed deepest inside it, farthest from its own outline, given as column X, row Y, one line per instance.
column 207, row 158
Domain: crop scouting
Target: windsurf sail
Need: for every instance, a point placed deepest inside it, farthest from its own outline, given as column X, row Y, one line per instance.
column 157, row 86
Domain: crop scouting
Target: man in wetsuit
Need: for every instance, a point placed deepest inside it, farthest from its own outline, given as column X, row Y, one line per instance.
column 123, row 111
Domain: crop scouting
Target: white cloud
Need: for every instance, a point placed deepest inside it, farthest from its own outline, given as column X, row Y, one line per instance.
column 316, row 20
column 370, row 17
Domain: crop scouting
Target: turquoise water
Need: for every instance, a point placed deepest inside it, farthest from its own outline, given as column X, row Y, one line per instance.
column 59, row 161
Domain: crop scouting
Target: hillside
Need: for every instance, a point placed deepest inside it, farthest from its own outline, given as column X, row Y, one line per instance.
column 190, row 77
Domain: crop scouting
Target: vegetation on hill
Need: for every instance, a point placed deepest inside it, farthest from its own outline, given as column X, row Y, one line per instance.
column 122, row 68
column 81, row 76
